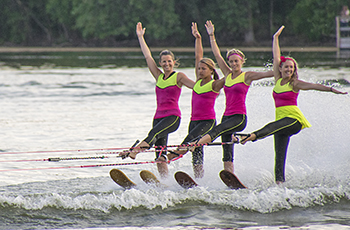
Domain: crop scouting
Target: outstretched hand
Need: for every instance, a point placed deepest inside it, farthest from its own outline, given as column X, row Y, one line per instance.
column 139, row 30
column 279, row 31
column 195, row 32
column 210, row 27
column 337, row 91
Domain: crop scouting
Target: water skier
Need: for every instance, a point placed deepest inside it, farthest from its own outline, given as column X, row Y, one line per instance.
column 236, row 87
column 289, row 118
column 168, row 89
column 204, row 94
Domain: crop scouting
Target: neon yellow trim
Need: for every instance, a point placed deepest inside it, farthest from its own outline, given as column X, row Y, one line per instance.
column 224, row 131
column 239, row 79
column 212, row 125
column 170, row 81
column 292, row 111
column 177, row 118
column 279, row 129
column 282, row 88
column 208, row 87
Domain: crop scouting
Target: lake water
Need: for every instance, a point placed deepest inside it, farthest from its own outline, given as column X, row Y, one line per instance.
column 54, row 110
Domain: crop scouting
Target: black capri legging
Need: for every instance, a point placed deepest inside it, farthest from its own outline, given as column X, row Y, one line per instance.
column 195, row 130
column 159, row 133
column 282, row 130
column 228, row 126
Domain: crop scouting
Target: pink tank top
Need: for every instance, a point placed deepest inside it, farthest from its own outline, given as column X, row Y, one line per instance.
column 284, row 94
column 286, row 103
column 168, row 94
column 236, row 92
column 203, row 101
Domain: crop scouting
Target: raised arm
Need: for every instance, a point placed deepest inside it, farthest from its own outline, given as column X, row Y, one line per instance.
column 182, row 79
column 302, row 85
column 198, row 46
column 215, row 49
column 152, row 65
column 276, row 52
column 253, row 76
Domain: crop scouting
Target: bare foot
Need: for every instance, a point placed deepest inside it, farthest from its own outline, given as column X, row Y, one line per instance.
column 133, row 152
column 171, row 156
column 235, row 139
column 124, row 154
column 250, row 137
column 192, row 146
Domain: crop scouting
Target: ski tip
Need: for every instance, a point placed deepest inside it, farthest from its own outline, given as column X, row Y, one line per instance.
column 121, row 179
column 231, row 180
column 148, row 177
column 184, row 180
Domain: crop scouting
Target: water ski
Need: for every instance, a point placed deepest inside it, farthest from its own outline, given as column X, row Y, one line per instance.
column 149, row 178
column 184, row 180
column 121, row 179
column 231, row 180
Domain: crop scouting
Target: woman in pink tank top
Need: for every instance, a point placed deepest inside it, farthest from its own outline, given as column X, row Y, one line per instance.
column 168, row 87
column 236, row 87
column 204, row 94
column 289, row 119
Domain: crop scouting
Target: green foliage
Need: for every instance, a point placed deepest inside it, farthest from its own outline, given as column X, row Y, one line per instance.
column 11, row 19
column 103, row 18
column 315, row 18
column 229, row 17
column 48, row 22
column 60, row 11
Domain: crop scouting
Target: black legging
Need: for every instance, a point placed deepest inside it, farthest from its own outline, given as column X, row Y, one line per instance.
column 228, row 126
column 282, row 130
column 195, row 130
column 159, row 133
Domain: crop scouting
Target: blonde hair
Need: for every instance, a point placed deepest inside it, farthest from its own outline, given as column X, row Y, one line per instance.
column 211, row 64
column 237, row 52
column 295, row 73
column 168, row 52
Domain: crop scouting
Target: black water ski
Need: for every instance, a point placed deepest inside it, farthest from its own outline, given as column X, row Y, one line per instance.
column 184, row 180
column 231, row 180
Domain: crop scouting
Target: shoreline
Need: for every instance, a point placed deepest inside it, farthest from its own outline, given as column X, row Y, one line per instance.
column 156, row 49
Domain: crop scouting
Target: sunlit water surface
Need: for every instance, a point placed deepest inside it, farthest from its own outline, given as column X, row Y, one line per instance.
column 83, row 110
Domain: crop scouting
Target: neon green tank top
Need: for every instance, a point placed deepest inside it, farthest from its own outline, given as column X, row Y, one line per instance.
column 286, row 103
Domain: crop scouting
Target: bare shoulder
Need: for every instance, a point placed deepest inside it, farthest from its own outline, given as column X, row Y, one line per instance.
column 218, row 84
column 181, row 74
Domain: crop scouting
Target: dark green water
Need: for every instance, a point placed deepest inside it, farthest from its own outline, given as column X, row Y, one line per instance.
column 136, row 59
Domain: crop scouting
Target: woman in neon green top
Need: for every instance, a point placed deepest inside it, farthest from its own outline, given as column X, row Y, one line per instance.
column 289, row 118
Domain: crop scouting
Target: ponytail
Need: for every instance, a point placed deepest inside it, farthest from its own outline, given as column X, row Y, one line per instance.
column 215, row 75
column 211, row 64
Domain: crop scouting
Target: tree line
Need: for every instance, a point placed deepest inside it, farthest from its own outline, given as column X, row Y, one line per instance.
column 168, row 22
